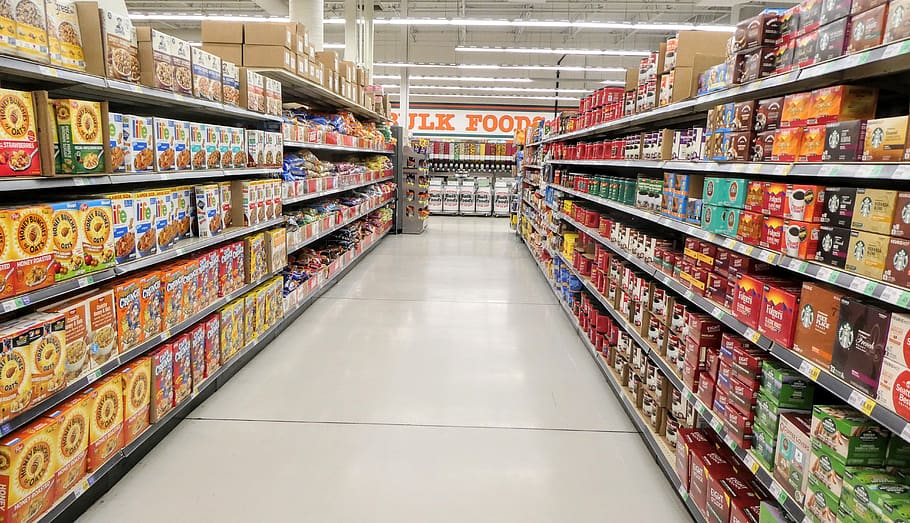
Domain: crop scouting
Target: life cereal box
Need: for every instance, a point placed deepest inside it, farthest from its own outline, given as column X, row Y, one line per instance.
column 165, row 154
column 123, row 211
column 18, row 127
column 197, row 146
column 208, row 210
column 27, row 475
column 97, row 234
column 224, row 147
column 151, row 297
column 81, row 141
column 106, row 425
column 66, row 232
column 182, row 145
column 32, row 247
column 137, row 383
column 197, row 353
column 210, row 139
column 224, row 192
column 162, row 391
column 140, row 136
column 118, row 143
column 16, row 381
column 212, row 344
column 183, row 368
column 172, row 282
column 75, row 314
column 129, row 313
column 71, row 445
column 238, row 147
column 146, row 223
column 165, row 228
column 102, row 327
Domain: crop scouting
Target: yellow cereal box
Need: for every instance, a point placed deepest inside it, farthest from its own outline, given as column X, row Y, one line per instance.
column 31, row 30
column 97, row 234
column 137, row 379
column 32, row 247
column 66, row 233
column 64, row 38
column 27, row 470
column 250, row 315
column 276, row 244
column 16, row 378
column 71, row 445
column 18, row 128
column 76, row 349
column 106, row 422
column 79, row 130
column 48, row 357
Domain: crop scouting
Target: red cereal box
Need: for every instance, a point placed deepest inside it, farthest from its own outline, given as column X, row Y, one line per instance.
column 183, row 368
column 747, row 299
column 191, row 290
column 129, row 313
column 162, row 400
column 197, row 352
column 212, row 344
column 238, row 266
column 151, row 295
column 224, row 269
column 208, row 264
column 778, row 313
column 775, row 199
column 172, row 281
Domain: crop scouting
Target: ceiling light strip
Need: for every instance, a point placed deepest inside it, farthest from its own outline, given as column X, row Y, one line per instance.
column 501, row 89
column 491, row 96
column 523, row 50
column 493, row 67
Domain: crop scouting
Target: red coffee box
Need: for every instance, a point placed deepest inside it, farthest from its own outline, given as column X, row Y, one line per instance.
column 739, row 423
column 743, row 395
column 740, row 263
column 804, row 202
column 162, row 400
column 721, row 261
column 755, row 197
column 703, row 329
column 777, row 320
column 212, row 344
column 696, row 353
column 704, row 467
column 690, row 374
column 898, row 346
column 800, row 239
column 747, row 301
column 894, row 387
column 749, row 229
column 716, row 287
column 719, row 406
column 706, row 389
column 691, row 249
column 712, row 362
column 688, row 441
column 775, row 198
column 197, row 352
column 772, row 234
column 724, row 493
column 745, row 510
column 746, row 365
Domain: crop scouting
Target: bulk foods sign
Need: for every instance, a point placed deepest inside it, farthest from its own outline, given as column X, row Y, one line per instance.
column 458, row 120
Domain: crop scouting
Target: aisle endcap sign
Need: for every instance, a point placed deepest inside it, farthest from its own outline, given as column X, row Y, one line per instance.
column 490, row 123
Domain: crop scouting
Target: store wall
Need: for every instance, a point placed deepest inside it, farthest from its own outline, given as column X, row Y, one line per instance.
column 459, row 120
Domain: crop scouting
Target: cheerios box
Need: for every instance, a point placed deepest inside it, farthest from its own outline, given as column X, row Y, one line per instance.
column 231, row 329
column 139, row 133
column 27, row 477
column 183, row 368
column 238, row 264
column 97, row 234
column 106, row 425
column 162, row 391
column 71, row 445
column 208, row 210
column 172, row 284
column 197, row 353
column 255, row 257
column 66, row 230
column 151, row 299
column 80, row 132
column 212, row 344
column 32, row 247
column 137, row 382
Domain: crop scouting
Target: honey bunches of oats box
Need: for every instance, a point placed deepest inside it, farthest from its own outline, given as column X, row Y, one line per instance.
column 71, row 447
column 137, row 383
column 27, row 480
column 106, row 423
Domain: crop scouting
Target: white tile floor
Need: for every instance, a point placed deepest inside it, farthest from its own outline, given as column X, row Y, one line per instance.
column 438, row 382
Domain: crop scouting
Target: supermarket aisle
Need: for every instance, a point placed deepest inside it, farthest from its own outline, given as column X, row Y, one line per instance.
column 438, row 382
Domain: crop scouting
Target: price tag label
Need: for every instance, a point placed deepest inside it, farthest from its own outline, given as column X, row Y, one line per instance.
column 828, row 170
column 901, row 172
column 728, row 243
column 861, row 402
column 9, row 305
column 782, row 169
column 809, row 370
column 890, row 294
column 729, row 441
column 904, row 299
column 776, row 490
column 716, row 424
column 689, row 295
column 86, row 281
column 896, row 49
column 767, row 256
column 77, row 181
column 91, row 378
column 797, row 265
column 858, row 284
column 751, row 335
column 682, row 492
column 750, row 462
column 717, row 312
column 824, row 273
column 905, row 434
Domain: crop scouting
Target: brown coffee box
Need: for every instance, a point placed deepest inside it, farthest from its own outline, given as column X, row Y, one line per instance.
column 837, row 207
column 742, row 116
column 898, row 21
column 740, row 146
column 767, row 114
column 834, row 10
column 756, row 64
column 867, row 29
column 900, row 222
column 832, row 40
column 833, row 243
column 886, row 139
column 873, row 210
column 844, row 141
column 896, row 263
column 819, row 310
column 862, row 333
column 762, row 146
column 867, row 254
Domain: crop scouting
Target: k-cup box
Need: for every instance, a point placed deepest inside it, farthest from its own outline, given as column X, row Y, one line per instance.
column 894, row 388
column 844, row 141
column 800, row 239
column 862, row 332
column 898, row 347
column 900, row 222
column 767, row 114
column 886, row 140
column 816, row 325
column 896, row 262
column 867, row 254
column 832, row 247
column 873, row 210
column 804, row 202
column 837, row 207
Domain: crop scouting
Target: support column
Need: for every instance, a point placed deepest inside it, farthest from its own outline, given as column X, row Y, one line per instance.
column 310, row 14
column 351, row 51
column 367, row 56
column 405, row 84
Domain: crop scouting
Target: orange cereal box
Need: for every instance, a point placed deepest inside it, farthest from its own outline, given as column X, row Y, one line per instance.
column 71, row 445
column 172, row 282
column 106, row 423
column 75, row 315
column 137, row 383
column 191, row 291
column 97, row 234
column 32, row 247
column 102, row 326
column 197, row 353
column 151, row 297
column 48, row 356
column 183, row 368
column 162, row 392
column 15, row 380
column 27, row 469
column 212, row 344
column 129, row 313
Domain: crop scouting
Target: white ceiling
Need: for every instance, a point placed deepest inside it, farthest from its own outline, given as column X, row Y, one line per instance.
column 436, row 44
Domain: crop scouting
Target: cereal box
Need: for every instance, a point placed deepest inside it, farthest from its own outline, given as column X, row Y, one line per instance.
column 146, row 223
column 106, row 423
column 137, row 381
column 183, row 76
column 64, row 39
column 49, row 356
column 165, row 230
column 208, row 275
column 172, row 281
column 18, row 138
column 32, row 247
column 238, row 147
column 66, row 228
column 27, row 476
column 164, row 130
column 162, row 391
column 226, row 196
column 206, row 75
column 197, row 353
column 183, row 368
column 121, row 46
column 118, row 144
column 76, row 348
column 245, row 213
column 192, row 293
column 197, row 146
column 230, row 78
column 151, row 297
column 140, row 137
column 208, row 210
column 211, row 144
column 255, row 148
column 250, row 317
column 181, row 145
column 227, row 329
column 123, row 208
column 252, row 89
column 276, row 240
column 156, row 58
column 71, row 445
column 212, row 344
column 97, row 234
column 185, row 206
column 224, row 147
column 79, row 131
column 256, row 260
column 129, row 313
column 16, row 390
column 31, row 30
column 272, row 96
column 7, row 32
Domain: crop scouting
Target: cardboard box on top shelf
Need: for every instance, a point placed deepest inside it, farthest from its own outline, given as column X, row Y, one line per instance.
column 362, row 76
column 329, row 59
column 631, row 79
column 230, row 52
column 301, row 40
column 222, row 32
column 303, row 66
column 685, row 80
column 92, row 45
column 347, row 70
column 691, row 44
column 272, row 56
column 270, row 33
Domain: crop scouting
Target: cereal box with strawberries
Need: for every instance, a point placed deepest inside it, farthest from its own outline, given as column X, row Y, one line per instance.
column 106, row 426
column 137, row 380
column 97, row 234
column 18, row 133
column 183, row 368
column 162, row 391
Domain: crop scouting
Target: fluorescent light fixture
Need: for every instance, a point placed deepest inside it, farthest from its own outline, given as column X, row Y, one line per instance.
column 455, row 22
column 489, row 96
column 522, row 50
column 454, row 78
column 493, row 67
column 332, row 46
column 498, row 88
column 613, row 82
